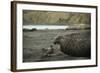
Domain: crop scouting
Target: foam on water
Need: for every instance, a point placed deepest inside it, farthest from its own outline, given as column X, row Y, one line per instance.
column 45, row 26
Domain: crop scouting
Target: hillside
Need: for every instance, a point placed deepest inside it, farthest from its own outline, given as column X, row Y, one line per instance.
column 55, row 18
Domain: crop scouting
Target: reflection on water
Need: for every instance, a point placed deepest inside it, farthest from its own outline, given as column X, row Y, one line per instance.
column 45, row 26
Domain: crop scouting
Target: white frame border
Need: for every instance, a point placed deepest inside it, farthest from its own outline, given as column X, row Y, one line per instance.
column 35, row 65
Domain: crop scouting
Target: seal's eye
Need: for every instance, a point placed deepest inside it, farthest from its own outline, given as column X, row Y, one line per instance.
column 57, row 40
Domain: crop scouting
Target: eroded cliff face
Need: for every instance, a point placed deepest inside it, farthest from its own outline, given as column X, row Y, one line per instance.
column 55, row 18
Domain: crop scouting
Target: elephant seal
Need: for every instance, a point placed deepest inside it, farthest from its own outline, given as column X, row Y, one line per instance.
column 76, row 44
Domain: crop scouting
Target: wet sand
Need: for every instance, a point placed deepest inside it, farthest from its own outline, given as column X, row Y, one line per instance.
column 34, row 41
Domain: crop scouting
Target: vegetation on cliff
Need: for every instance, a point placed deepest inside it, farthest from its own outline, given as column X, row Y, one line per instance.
column 55, row 18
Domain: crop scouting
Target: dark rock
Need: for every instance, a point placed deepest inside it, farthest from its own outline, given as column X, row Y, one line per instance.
column 33, row 29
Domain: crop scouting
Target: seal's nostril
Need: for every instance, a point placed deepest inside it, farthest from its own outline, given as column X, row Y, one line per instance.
column 54, row 42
